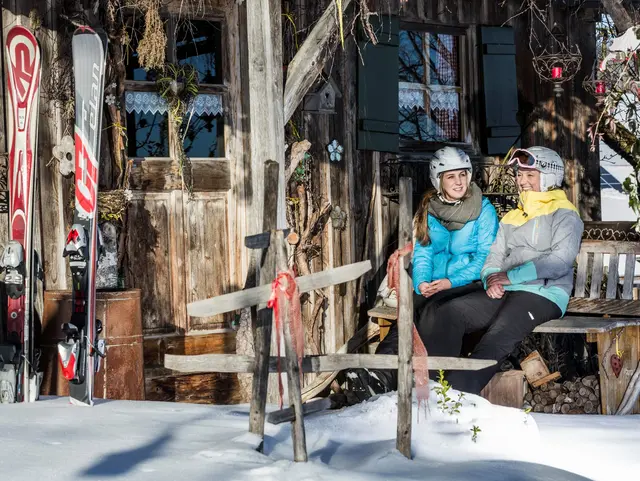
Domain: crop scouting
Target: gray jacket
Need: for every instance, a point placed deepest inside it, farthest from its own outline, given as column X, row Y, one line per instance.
column 538, row 243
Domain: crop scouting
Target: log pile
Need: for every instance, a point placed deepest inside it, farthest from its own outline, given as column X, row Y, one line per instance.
column 581, row 396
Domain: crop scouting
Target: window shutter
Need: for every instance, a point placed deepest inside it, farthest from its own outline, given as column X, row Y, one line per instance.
column 500, row 89
column 378, row 118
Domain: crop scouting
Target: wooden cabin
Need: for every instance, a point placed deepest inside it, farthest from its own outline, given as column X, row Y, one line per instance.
column 446, row 72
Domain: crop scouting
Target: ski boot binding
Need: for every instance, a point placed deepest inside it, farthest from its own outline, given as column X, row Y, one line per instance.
column 12, row 262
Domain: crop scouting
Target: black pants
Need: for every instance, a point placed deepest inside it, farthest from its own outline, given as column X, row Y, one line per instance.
column 507, row 322
column 425, row 309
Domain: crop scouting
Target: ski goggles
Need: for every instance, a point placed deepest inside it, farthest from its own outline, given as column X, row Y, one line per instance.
column 524, row 159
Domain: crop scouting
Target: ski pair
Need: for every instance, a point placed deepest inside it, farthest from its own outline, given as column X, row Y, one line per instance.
column 81, row 351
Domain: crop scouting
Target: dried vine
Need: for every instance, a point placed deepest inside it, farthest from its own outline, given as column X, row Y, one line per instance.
column 178, row 86
column 152, row 45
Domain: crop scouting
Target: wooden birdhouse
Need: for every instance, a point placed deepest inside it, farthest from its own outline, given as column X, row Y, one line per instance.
column 323, row 99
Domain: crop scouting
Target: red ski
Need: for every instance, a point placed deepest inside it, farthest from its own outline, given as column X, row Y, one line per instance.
column 23, row 85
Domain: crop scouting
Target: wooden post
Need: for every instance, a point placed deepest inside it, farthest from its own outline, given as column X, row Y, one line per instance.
column 405, row 375
column 266, row 99
column 293, row 369
column 262, row 343
column 405, row 215
column 263, row 320
column 405, row 324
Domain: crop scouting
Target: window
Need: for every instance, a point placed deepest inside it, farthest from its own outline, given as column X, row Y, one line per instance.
column 430, row 87
column 608, row 181
column 196, row 43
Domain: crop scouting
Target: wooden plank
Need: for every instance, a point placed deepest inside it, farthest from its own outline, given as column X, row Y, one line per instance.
column 608, row 247
column 357, row 210
column 254, row 296
column 156, row 347
column 160, row 174
column 262, row 348
column 576, row 325
column 405, row 373
column 266, row 114
column 206, row 256
column 319, row 363
column 383, row 312
column 309, row 61
column 271, row 170
column 260, row 241
column 596, row 275
column 360, row 338
column 288, row 415
column 629, row 272
column 548, row 378
column 291, row 363
column 149, row 242
column 612, row 388
column 611, row 307
column 211, row 388
column 506, row 389
column 405, row 216
column 581, row 274
column 179, row 268
column 50, row 181
column 612, row 277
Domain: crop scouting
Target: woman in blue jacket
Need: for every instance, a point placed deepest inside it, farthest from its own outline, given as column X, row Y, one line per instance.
column 454, row 228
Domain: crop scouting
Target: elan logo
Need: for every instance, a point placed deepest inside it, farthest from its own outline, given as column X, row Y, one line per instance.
column 86, row 162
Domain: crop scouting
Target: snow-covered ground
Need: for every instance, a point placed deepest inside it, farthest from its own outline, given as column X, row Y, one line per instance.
column 114, row 440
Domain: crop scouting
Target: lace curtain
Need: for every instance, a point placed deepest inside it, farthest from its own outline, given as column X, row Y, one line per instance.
column 152, row 103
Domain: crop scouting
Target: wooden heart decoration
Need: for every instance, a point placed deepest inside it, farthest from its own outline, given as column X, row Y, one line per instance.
column 616, row 364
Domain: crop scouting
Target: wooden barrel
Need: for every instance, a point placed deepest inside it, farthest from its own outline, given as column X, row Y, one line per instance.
column 121, row 373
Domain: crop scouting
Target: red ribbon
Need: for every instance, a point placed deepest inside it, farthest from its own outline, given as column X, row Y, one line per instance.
column 420, row 367
column 284, row 292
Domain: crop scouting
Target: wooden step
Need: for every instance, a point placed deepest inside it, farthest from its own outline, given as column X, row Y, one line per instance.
column 383, row 312
column 578, row 325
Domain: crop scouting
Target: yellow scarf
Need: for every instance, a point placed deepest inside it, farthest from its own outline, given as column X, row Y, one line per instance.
column 535, row 204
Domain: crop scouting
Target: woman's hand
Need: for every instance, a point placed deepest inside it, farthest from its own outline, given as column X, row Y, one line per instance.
column 496, row 283
column 423, row 287
column 495, row 291
column 428, row 289
column 499, row 278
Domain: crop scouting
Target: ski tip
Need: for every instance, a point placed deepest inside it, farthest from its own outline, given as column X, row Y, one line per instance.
column 84, row 29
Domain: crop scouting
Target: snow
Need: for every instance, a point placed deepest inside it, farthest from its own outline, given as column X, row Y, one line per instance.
column 158, row 441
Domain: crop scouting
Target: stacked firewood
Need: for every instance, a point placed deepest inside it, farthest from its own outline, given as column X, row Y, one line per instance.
column 581, row 396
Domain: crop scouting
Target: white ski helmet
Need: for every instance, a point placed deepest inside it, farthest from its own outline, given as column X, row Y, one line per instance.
column 544, row 160
column 445, row 160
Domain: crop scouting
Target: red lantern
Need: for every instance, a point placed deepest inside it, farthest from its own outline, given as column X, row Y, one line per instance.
column 556, row 72
column 600, row 88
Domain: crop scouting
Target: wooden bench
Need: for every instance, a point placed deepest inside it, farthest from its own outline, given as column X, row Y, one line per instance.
column 604, row 311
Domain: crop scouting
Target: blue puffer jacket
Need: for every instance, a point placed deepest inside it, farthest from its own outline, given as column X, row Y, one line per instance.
column 455, row 255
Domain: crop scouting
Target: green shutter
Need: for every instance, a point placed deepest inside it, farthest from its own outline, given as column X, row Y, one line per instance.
column 378, row 87
column 500, row 90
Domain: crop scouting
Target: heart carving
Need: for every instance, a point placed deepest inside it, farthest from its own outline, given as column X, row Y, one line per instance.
column 616, row 364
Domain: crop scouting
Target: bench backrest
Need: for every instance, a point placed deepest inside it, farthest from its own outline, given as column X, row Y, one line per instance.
column 591, row 294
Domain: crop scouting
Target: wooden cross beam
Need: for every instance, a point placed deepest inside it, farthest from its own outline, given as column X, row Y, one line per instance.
column 312, row 364
column 261, row 294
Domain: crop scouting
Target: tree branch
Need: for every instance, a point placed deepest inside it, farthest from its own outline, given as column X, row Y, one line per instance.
column 621, row 13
